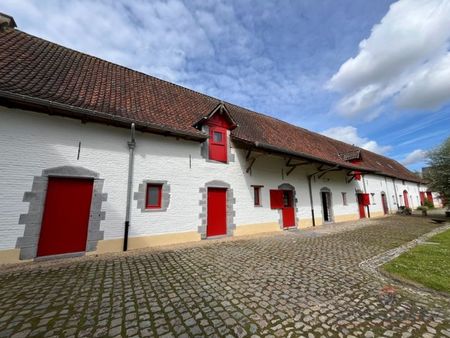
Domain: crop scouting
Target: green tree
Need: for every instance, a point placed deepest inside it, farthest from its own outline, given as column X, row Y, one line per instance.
column 439, row 171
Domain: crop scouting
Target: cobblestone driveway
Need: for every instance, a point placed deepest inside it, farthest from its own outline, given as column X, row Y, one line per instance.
column 290, row 284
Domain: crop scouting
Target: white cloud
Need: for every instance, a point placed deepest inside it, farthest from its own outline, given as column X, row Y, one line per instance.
column 203, row 45
column 406, row 57
column 415, row 156
column 349, row 134
column 157, row 37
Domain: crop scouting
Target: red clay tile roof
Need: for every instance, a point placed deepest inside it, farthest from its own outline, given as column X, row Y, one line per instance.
column 33, row 69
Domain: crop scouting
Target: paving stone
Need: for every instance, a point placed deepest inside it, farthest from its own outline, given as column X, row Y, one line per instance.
column 291, row 284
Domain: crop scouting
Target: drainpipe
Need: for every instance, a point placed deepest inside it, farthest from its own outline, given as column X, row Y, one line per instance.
column 395, row 192
column 131, row 146
column 364, row 185
column 387, row 195
column 311, row 199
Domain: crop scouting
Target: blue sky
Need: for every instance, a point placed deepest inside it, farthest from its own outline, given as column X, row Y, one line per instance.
column 372, row 73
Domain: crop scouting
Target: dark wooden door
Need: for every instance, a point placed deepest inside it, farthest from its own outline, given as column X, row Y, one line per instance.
column 66, row 216
column 385, row 204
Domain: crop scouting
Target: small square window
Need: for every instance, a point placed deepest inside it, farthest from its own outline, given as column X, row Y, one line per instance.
column 344, row 198
column 153, row 196
column 217, row 137
column 257, row 196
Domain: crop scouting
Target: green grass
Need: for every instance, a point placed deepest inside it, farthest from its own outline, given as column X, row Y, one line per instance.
column 426, row 264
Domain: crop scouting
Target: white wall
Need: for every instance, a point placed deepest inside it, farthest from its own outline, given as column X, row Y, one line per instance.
column 32, row 142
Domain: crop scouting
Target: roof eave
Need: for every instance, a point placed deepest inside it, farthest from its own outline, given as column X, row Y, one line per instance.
column 61, row 109
column 270, row 148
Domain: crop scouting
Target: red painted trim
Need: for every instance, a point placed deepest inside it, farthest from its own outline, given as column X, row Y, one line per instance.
column 153, row 206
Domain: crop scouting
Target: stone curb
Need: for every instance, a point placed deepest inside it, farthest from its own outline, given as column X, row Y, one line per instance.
column 372, row 265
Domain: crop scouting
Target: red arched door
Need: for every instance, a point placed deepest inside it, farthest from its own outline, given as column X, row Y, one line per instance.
column 405, row 198
column 385, row 204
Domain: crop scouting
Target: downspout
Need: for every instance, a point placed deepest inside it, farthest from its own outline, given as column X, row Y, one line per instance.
column 395, row 192
column 131, row 146
column 387, row 194
column 364, row 185
column 311, row 199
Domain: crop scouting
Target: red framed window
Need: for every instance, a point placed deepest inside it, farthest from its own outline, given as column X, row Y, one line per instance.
column 218, row 144
column 153, row 196
column 257, row 195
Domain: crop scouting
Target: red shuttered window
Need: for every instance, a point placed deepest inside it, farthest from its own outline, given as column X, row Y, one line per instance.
column 153, row 196
column 276, row 199
column 365, row 199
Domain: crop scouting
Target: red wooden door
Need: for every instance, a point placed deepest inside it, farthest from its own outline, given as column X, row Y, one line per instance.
column 422, row 197
column 362, row 212
column 430, row 197
column 385, row 205
column 405, row 198
column 217, row 212
column 288, row 210
column 66, row 216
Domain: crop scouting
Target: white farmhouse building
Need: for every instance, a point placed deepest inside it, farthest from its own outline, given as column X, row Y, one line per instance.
column 75, row 178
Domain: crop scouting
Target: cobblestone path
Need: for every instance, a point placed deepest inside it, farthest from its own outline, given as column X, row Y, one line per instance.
column 283, row 285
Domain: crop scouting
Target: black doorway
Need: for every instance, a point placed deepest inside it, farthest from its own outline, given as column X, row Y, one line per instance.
column 326, row 206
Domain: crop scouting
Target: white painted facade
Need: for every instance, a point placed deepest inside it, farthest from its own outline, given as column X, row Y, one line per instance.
column 32, row 142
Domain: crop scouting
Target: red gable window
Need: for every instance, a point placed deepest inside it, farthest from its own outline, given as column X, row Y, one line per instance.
column 153, row 196
column 218, row 138
column 218, row 150
column 356, row 174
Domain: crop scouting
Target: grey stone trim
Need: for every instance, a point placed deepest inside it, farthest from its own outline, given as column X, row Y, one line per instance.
column 70, row 171
column 140, row 197
column 287, row 186
column 204, row 152
column 28, row 243
column 231, row 226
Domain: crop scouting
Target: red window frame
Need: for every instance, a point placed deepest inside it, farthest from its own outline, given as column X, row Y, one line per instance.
column 257, row 196
column 218, row 150
column 147, row 203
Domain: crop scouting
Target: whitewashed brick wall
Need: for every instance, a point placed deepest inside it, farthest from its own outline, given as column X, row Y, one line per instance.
column 31, row 142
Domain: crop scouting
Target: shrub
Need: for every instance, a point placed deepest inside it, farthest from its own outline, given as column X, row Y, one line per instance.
column 427, row 203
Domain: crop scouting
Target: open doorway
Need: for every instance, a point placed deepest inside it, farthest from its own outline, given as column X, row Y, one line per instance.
column 327, row 208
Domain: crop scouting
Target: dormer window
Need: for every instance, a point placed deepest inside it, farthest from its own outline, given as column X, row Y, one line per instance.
column 218, row 150
column 218, row 124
